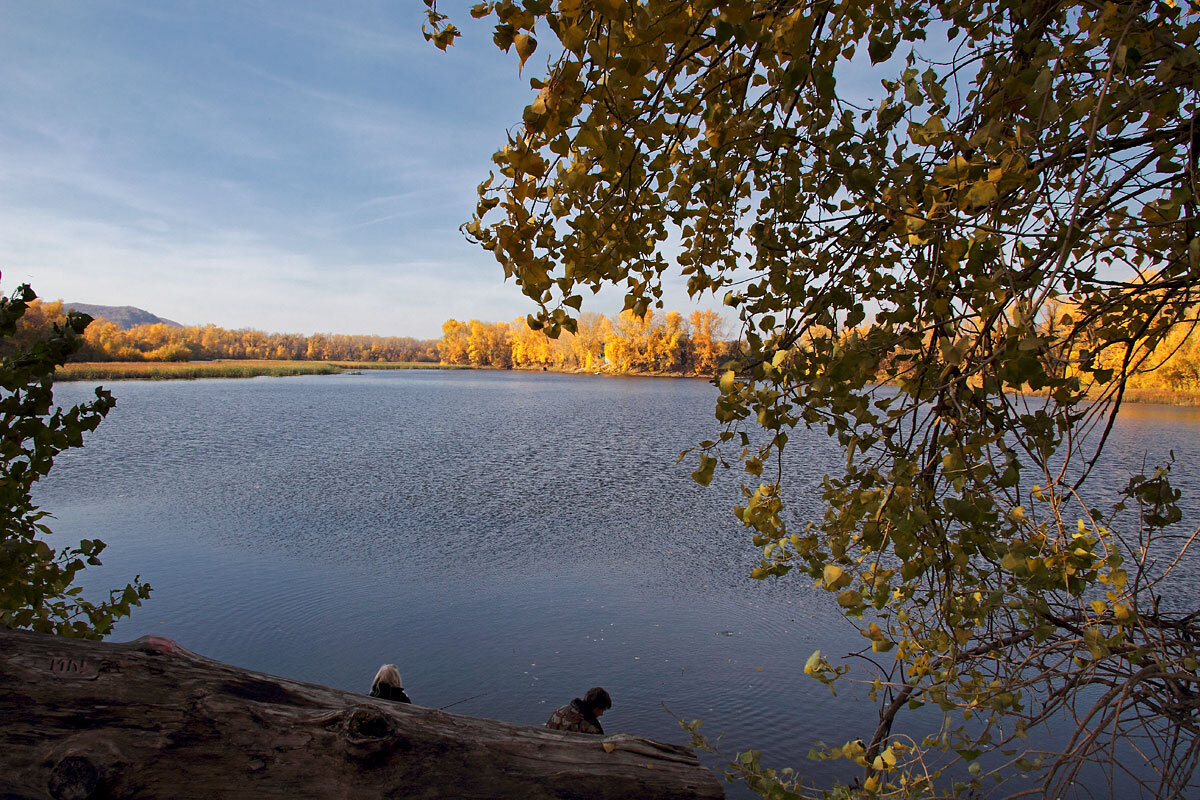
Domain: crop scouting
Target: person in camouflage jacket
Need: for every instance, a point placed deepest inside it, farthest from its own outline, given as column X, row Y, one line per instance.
column 582, row 716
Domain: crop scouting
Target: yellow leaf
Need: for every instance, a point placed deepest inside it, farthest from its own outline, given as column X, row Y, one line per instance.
column 953, row 171
column 588, row 138
column 525, row 45
column 572, row 38
column 835, row 577
column 981, row 194
column 608, row 746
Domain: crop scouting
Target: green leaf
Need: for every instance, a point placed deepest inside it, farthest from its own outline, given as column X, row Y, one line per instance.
column 880, row 50
column 850, row 598
column 704, row 473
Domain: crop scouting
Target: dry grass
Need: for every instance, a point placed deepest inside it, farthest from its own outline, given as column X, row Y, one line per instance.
column 1164, row 397
column 229, row 368
column 356, row 365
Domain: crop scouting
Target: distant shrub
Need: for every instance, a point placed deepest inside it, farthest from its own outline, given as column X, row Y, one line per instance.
column 175, row 351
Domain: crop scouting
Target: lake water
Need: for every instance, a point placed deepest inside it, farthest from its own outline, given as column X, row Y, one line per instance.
column 523, row 536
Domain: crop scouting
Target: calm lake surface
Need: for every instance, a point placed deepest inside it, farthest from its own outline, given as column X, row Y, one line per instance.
column 521, row 535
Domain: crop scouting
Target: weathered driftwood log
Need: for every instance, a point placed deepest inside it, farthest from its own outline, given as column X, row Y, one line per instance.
column 148, row 719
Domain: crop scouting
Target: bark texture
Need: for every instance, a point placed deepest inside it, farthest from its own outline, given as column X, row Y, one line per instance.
column 148, row 719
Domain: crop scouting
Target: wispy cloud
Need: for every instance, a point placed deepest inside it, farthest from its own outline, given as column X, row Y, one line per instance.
column 386, row 38
column 272, row 165
column 235, row 279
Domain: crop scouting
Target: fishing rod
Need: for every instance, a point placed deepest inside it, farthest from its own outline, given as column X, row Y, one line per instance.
column 465, row 699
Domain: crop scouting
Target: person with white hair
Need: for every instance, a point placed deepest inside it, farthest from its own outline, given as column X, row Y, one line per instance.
column 388, row 686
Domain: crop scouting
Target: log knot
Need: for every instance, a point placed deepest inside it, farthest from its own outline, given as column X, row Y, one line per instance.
column 76, row 778
column 364, row 723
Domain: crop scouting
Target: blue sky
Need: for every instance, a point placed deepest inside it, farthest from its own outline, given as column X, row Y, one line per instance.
column 287, row 166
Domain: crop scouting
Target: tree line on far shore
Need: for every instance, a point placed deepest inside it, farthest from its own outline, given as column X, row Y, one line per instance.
column 671, row 344
column 107, row 341
column 655, row 344
column 664, row 343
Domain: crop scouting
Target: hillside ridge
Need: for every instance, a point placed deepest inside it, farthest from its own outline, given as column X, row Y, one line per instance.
column 125, row 317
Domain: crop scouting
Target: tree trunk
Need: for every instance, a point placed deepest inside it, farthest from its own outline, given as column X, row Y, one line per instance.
column 148, row 719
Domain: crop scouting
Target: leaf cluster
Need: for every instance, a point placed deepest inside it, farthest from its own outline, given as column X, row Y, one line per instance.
column 37, row 590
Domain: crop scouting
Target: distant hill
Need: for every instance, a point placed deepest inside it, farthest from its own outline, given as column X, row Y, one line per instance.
column 124, row 316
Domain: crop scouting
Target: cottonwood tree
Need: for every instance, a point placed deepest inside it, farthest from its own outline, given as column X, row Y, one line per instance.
column 893, row 196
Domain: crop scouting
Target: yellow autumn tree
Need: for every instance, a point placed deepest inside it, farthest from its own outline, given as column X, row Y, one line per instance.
column 628, row 347
column 587, row 343
column 667, row 343
column 530, row 348
column 488, row 344
column 706, row 335
column 453, row 346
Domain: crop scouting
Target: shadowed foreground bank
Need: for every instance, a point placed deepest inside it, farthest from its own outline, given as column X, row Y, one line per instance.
column 150, row 719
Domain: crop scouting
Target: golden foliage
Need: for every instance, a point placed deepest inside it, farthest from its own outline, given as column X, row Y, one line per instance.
column 630, row 345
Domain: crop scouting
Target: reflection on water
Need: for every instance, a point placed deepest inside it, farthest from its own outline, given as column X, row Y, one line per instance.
column 523, row 536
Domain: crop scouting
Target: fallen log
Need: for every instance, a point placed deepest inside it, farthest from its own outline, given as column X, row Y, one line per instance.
column 148, row 719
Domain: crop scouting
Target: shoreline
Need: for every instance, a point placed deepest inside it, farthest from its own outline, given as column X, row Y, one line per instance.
column 223, row 368
column 1181, row 398
column 252, row 368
